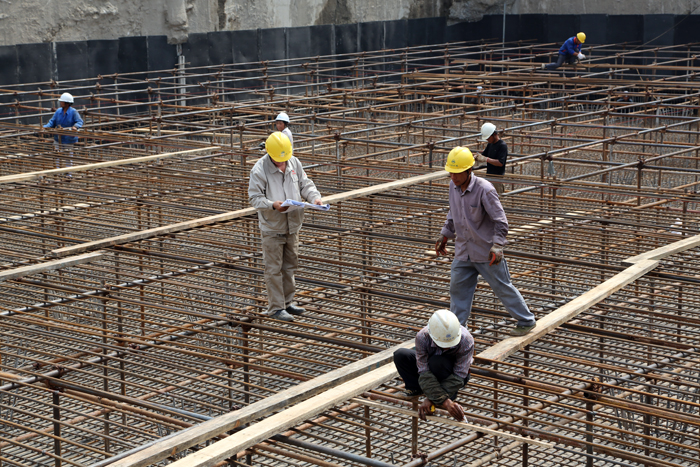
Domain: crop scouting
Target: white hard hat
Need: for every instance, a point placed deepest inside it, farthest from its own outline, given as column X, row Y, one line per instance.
column 479, row 89
column 444, row 329
column 487, row 130
column 283, row 117
column 66, row 97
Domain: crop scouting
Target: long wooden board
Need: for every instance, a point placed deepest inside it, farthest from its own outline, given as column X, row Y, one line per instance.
column 301, row 392
column 22, row 271
column 277, row 423
column 23, row 177
column 666, row 250
column 187, row 225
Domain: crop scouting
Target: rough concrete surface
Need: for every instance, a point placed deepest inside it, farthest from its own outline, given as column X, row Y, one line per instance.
column 474, row 10
column 32, row 21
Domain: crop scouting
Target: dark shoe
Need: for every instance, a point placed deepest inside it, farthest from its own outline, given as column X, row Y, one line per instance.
column 295, row 310
column 521, row 330
column 412, row 392
column 282, row 315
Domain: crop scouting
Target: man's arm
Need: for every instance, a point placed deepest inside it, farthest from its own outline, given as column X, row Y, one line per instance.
column 51, row 123
column 494, row 209
column 77, row 121
column 448, row 230
column 257, row 187
column 307, row 187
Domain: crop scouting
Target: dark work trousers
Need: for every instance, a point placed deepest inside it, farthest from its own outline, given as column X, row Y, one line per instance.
column 570, row 59
column 440, row 365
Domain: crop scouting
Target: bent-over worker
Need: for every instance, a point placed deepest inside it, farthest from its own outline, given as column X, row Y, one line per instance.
column 439, row 365
column 274, row 178
column 478, row 224
column 569, row 52
column 495, row 155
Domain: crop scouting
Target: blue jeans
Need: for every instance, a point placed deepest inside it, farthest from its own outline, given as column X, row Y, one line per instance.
column 570, row 59
column 463, row 286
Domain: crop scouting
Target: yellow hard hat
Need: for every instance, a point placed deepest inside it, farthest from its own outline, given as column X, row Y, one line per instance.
column 581, row 37
column 459, row 160
column 278, row 147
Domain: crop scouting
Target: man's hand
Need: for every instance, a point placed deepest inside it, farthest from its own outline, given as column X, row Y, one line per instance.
column 318, row 202
column 454, row 409
column 440, row 245
column 277, row 206
column 480, row 157
column 581, row 56
column 424, row 409
column 496, row 254
column 74, row 128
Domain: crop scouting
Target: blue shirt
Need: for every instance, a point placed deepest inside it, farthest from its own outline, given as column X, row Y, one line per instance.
column 67, row 119
column 569, row 48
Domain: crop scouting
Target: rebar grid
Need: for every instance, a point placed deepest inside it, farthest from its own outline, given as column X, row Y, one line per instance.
column 165, row 331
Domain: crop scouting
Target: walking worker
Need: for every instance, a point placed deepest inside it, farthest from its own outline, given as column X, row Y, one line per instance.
column 495, row 155
column 569, row 52
column 439, row 365
column 274, row 178
column 478, row 224
column 282, row 124
column 65, row 117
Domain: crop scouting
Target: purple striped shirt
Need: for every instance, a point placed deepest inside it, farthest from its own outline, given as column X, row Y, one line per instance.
column 464, row 352
column 476, row 220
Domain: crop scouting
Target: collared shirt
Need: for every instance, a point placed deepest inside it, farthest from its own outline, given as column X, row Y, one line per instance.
column 476, row 220
column 67, row 119
column 463, row 352
column 569, row 48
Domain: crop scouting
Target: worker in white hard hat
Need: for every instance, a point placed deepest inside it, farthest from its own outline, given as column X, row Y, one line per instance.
column 439, row 365
column 495, row 155
column 569, row 52
column 478, row 224
column 65, row 117
column 276, row 177
column 282, row 124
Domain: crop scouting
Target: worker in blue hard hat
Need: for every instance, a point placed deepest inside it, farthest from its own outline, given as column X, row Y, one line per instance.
column 569, row 52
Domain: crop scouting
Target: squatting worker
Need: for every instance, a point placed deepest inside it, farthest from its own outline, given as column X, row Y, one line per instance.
column 65, row 117
column 282, row 124
column 569, row 52
column 439, row 365
column 495, row 155
column 276, row 177
column 478, row 224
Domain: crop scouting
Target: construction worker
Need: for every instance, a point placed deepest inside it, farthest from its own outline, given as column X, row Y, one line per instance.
column 65, row 117
column 439, row 365
column 569, row 52
column 274, row 178
column 495, row 154
column 478, row 224
column 282, row 124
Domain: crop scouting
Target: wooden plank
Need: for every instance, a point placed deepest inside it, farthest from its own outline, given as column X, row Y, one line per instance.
column 23, row 177
column 563, row 314
column 282, row 421
column 294, row 395
column 187, row 225
column 16, row 273
column 450, row 421
column 667, row 250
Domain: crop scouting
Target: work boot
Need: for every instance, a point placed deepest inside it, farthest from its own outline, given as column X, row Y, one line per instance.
column 295, row 310
column 521, row 330
column 282, row 315
column 412, row 392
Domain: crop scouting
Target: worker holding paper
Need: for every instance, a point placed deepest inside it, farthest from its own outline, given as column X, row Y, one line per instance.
column 276, row 177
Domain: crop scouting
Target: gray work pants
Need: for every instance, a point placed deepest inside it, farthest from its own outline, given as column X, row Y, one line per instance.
column 463, row 285
column 281, row 257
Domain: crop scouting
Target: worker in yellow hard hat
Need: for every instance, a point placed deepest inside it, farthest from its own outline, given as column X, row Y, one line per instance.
column 276, row 177
column 569, row 52
column 478, row 224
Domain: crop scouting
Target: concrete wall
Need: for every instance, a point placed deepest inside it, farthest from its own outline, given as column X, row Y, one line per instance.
column 35, row 21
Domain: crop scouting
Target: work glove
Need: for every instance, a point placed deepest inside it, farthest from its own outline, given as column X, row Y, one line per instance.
column 440, row 244
column 496, row 254
column 261, row 146
column 581, row 56
column 480, row 157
